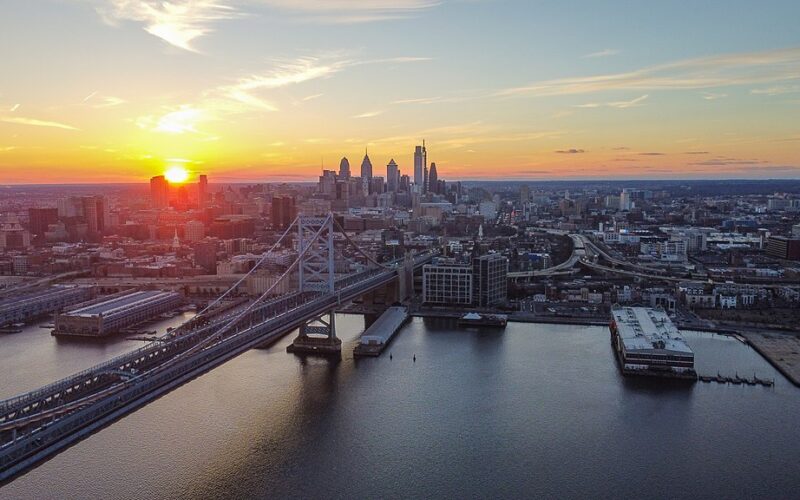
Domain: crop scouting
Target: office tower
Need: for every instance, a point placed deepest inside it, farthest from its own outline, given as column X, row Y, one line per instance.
column 524, row 193
column 489, row 280
column 433, row 179
column 40, row 218
column 366, row 168
column 194, row 230
column 327, row 183
column 425, row 179
column 159, row 191
column 344, row 169
column 283, row 211
column 94, row 211
column 420, row 164
column 202, row 191
column 405, row 183
column 70, row 207
column 392, row 176
column 205, row 256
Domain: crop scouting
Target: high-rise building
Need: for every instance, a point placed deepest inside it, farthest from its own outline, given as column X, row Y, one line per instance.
column 344, row 169
column 205, row 256
column 194, row 230
column 433, row 179
column 70, row 207
column 366, row 168
column 327, row 183
column 159, row 191
column 392, row 176
column 420, row 164
column 202, row 191
column 40, row 218
column 283, row 211
column 489, row 280
column 94, row 211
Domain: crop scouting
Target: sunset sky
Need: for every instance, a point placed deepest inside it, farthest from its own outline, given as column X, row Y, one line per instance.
column 268, row 90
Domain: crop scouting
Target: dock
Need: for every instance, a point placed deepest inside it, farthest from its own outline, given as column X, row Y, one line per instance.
column 375, row 338
column 736, row 380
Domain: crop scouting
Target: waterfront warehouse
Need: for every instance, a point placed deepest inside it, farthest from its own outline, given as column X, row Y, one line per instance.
column 101, row 318
column 646, row 342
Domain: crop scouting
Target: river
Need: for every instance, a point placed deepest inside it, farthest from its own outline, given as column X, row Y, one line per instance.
column 532, row 411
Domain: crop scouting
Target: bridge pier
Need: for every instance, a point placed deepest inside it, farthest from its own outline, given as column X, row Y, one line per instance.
column 318, row 337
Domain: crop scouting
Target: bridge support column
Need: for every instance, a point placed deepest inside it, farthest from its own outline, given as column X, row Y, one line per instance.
column 318, row 336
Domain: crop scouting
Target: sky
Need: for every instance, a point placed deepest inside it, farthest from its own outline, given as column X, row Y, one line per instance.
column 276, row 90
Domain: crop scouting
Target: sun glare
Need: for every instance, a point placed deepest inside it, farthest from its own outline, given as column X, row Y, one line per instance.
column 176, row 174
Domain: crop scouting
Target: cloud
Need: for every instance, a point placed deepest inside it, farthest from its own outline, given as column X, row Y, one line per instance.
column 177, row 22
column 615, row 104
column 652, row 154
column 351, row 11
column 572, row 151
column 369, row 114
column 180, row 121
column 777, row 90
column 36, row 123
column 311, row 97
column 602, row 53
column 14, row 108
column 420, row 100
column 696, row 153
column 713, row 96
column 699, row 73
column 102, row 101
column 724, row 161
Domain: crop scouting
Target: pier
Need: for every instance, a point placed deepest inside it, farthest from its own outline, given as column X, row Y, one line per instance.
column 375, row 338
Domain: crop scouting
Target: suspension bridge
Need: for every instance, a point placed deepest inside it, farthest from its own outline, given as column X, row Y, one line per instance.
column 330, row 270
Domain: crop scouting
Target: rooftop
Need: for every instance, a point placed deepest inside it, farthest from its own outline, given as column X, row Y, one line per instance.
column 643, row 328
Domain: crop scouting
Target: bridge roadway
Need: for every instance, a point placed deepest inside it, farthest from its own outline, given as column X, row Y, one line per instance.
column 38, row 424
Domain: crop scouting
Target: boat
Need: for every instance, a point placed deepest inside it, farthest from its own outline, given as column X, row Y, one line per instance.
column 476, row 319
column 11, row 328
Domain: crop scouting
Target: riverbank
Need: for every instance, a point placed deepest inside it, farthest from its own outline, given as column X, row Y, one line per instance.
column 779, row 349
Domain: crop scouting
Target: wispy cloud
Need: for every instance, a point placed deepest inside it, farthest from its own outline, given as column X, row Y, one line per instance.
column 248, row 90
column 369, row 114
column 700, row 73
column 352, row 11
column 177, row 22
column 311, row 97
column 36, row 123
column 602, row 53
column 14, row 108
column 713, row 96
column 777, row 90
column 572, row 151
column 652, row 154
column 615, row 104
column 178, row 121
column 102, row 101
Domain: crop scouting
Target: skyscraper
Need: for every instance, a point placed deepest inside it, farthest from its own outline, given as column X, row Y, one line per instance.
column 41, row 218
column 344, row 169
column 202, row 191
column 366, row 167
column 94, row 210
column 392, row 176
column 420, row 164
column 433, row 179
column 159, row 191
column 283, row 211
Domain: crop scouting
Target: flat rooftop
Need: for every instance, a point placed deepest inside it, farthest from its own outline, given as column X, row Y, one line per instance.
column 107, row 307
column 644, row 328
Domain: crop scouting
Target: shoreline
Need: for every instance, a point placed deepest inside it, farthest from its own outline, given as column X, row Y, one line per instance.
column 743, row 336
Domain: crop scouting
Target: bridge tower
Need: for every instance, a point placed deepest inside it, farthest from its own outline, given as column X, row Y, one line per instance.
column 316, row 274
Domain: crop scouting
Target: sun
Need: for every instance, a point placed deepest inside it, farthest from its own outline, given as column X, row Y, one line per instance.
column 176, row 174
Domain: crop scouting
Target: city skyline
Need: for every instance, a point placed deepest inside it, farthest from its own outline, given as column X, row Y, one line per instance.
column 269, row 90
